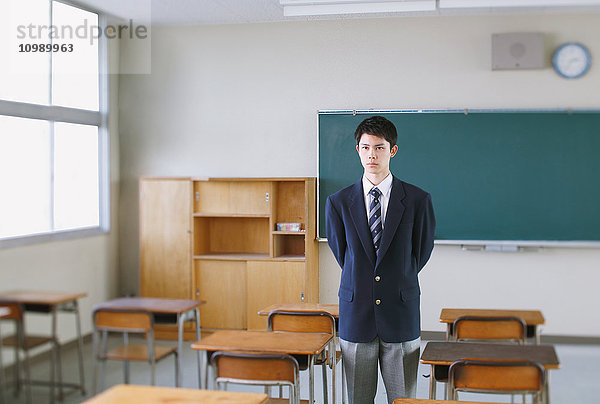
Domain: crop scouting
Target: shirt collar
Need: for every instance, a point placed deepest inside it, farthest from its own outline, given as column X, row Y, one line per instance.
column 384, row 186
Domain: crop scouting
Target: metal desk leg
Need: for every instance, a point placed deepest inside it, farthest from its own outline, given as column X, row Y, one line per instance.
column 432, row 384
column 198, row 337
column 79, row 346
column 546, row 394
column 180, row 321
column 54, row 360
column 2, row 380
column 333, row 366
column 311, row 379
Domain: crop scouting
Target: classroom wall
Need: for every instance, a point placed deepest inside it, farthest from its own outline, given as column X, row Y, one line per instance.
column 242, row 101
column 86, row 264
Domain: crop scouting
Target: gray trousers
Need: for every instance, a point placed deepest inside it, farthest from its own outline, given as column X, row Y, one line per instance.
column 398, row 362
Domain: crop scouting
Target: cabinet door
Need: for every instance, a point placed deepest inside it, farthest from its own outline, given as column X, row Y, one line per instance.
column 272, row 282
column 223, row 285
column 165, row 238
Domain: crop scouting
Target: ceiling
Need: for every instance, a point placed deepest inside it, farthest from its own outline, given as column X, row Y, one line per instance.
column 194, row 12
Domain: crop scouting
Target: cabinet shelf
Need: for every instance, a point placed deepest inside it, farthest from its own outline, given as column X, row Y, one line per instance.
column 239, row 215
column 289, row 233
column 232, row 256
column 249, row 257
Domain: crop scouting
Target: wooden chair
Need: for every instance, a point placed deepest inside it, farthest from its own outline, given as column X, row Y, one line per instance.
column 23, row 342
column 257, row 369
column 127, row 321
column 497, row 329
column 484, row 329
column 498, row 377
column 315, row 321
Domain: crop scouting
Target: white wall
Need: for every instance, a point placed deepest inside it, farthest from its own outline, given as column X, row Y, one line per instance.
column 88, row 264
column 242, row 100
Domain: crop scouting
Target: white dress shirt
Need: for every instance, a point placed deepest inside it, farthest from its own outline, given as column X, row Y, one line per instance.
column 385, row 187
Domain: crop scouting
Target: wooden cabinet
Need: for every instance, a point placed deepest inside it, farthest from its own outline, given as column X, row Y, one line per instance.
column 238, row 261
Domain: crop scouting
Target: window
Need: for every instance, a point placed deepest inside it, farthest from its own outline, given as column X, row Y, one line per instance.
column 53, row 135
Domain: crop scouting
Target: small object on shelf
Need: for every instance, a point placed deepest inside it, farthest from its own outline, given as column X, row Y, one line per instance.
column 288, row 227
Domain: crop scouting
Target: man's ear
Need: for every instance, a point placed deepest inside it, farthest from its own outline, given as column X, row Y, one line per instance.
column 393, row 151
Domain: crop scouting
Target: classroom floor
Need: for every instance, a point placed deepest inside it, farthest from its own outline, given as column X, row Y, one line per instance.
column 575, row 382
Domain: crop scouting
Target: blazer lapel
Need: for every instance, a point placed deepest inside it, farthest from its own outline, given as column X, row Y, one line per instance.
column 359, row 216
column 393, row 216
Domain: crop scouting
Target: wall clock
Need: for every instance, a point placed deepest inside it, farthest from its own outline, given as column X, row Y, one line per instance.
column 571, row 60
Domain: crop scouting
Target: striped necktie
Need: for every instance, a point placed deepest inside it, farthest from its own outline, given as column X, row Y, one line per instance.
column 375, row 217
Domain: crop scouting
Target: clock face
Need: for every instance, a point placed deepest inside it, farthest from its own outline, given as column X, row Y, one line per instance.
column 571, row 60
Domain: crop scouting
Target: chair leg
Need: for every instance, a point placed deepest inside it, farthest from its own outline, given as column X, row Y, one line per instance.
column 153, row 373
column 102, row 374
column 325, row 386
column 102, row 358
column 95, row 356
column 17, row 372
column 177, row 368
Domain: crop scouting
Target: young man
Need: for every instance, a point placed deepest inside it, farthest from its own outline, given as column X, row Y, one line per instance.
column 381, row 233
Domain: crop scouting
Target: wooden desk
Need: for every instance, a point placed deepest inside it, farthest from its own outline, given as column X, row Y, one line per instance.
column 184, row 310
column 52, row 302
column 440, row 356
column 295, row 343
column 333, row 309
column 127, row 394
column 533, row 318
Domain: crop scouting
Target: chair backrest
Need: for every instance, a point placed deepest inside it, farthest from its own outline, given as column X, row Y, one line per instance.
column 122, row 320
column 15, row 311
column 489, row 328
column 508, row 377
column 257, row 369
column 301, row 321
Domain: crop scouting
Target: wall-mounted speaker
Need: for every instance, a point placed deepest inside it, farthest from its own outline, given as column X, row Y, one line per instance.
column 518, row 51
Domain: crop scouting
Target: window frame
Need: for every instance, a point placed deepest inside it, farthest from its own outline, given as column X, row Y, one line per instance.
column 55, row 113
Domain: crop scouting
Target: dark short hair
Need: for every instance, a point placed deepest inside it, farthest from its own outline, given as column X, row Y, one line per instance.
column 377, row 126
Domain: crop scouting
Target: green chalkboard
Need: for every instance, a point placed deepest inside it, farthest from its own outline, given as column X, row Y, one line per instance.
column 493, row 175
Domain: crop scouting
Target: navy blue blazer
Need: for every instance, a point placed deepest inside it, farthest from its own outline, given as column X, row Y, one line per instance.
column 390, row 276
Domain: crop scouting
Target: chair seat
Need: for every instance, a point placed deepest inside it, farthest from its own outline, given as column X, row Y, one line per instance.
column 138, row 352
column 31, row 341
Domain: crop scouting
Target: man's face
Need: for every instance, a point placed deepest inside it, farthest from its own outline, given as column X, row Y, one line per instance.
column 375, row 154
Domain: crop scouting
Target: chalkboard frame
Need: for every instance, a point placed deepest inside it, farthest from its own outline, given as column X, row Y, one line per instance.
column 467, row 243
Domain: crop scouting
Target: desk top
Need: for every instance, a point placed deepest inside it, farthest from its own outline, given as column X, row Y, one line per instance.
column 152, row 304
column 126, row 394
column 425, row 401
column 299, row 343
column 531, row 317
column 333, row 309
column 444, row 353
column 45, row 297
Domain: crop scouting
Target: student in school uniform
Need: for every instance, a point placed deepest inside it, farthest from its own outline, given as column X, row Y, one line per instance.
column 380, row 230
